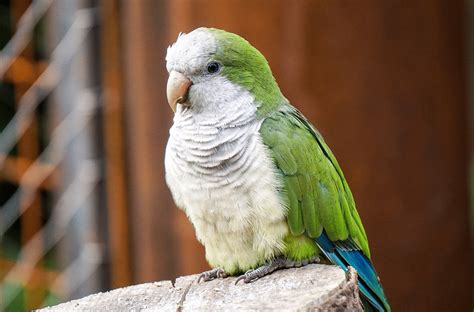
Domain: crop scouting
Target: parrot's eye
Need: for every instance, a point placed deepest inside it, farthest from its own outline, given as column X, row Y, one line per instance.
column 213, row 67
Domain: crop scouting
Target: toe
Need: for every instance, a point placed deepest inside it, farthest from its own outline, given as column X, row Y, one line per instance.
column 244, row 277
column 221, row 273
column 212, row 274
column 204, row 276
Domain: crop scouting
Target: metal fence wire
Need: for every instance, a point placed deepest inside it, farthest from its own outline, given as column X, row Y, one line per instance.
column 68, row 95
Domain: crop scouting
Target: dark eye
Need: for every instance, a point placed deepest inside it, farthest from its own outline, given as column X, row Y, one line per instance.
column 213, row 67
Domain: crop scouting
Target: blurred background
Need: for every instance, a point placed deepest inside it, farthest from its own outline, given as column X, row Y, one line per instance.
column 84, row 122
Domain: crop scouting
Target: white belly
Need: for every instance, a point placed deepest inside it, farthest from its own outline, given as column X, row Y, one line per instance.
column 233, row 203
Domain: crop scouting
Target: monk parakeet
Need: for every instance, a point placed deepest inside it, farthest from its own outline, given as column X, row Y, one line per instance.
column 255, row 178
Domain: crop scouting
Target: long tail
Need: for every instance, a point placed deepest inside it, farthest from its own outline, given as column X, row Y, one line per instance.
column 345, row 254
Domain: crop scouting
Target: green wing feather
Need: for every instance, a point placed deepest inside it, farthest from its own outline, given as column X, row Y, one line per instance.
column 315, row 190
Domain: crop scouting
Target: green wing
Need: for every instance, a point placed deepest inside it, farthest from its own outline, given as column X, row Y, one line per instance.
column 315, row 190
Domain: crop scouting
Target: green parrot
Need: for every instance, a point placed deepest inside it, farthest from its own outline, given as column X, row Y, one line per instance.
column 255, row 178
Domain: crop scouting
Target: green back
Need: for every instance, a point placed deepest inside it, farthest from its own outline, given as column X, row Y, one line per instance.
column 315, row 190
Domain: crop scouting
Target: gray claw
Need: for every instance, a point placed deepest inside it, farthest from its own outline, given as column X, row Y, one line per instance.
column 212, row 274
column 246, row 277
column 273, row 265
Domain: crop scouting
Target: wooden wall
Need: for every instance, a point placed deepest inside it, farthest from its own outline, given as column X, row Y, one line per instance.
column 384, row 81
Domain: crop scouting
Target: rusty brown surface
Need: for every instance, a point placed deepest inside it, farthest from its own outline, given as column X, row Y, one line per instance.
column 28, row 148
column 114, row 143
column 148, row 119
column 383, row 81
column 15, row 167
column 24, row 71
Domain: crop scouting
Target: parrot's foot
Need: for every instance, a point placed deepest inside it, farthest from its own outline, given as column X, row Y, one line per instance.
column 273, row 265
column 212, row 274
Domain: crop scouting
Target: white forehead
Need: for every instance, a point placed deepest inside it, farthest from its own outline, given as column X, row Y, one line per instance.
column 191, row 51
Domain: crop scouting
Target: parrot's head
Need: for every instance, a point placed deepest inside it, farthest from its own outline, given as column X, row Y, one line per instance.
column 208, row 68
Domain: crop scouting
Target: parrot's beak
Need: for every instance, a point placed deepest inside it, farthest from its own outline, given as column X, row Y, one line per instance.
column 177, row 89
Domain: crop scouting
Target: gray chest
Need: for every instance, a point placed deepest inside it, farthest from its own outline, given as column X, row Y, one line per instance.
column 211, row 154
column 226, row 184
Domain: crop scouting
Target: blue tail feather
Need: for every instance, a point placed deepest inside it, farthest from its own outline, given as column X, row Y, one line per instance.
column 344, row 254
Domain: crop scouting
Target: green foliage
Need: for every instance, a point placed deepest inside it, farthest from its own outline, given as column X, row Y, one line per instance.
column 50, row 299
column 18, row 302
column 315, row 190
column 16, row 295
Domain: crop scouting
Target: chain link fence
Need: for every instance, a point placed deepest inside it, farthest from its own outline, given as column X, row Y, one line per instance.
column 64, row 252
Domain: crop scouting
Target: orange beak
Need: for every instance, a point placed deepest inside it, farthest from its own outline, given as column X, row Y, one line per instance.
column 177, row 90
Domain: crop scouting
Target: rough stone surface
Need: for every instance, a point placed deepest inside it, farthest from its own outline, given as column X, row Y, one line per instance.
column 314, row 287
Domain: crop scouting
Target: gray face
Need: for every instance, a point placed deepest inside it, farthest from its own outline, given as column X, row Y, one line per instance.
column 191, row 54
column 204, row 91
